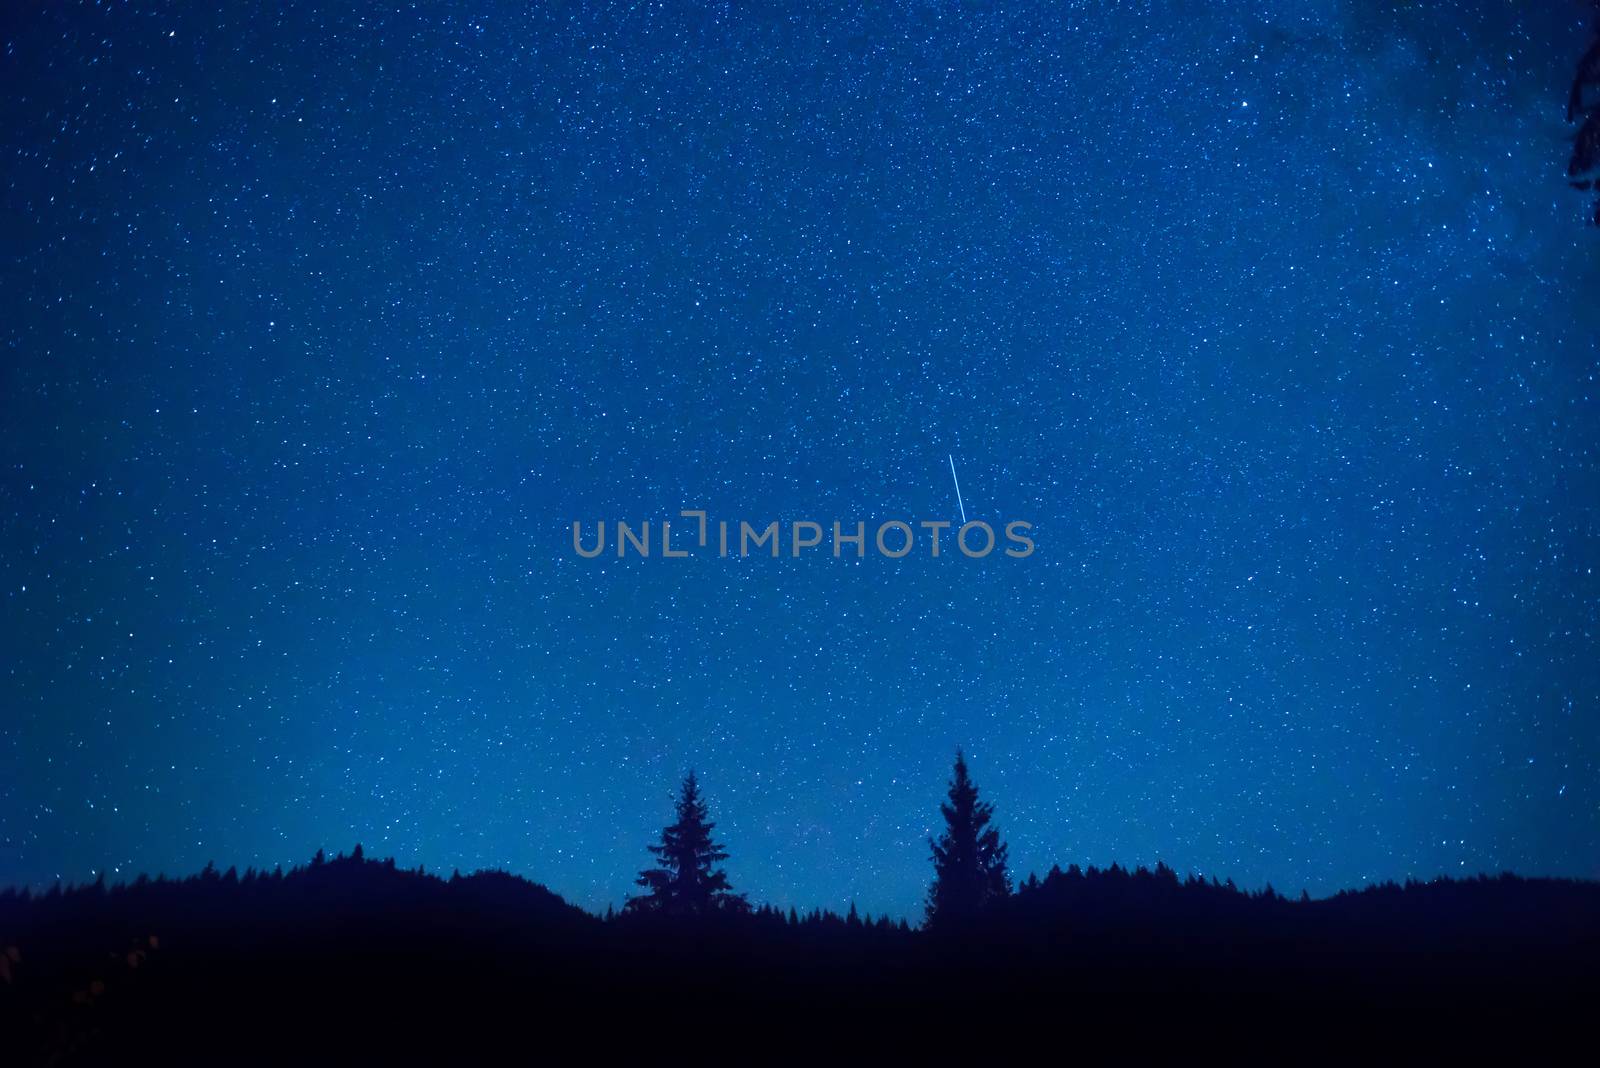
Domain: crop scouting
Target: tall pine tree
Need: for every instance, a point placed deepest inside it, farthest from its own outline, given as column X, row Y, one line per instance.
column 969, row 860
column 687, row 881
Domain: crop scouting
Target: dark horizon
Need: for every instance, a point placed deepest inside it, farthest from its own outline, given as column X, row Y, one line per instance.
column 358, row 852
column 323, row 954
column 1026, row 884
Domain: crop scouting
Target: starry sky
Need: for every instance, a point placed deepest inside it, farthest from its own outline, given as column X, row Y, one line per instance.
column 320, row 324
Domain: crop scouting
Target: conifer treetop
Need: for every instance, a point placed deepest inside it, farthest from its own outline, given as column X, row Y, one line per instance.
column 969, row 859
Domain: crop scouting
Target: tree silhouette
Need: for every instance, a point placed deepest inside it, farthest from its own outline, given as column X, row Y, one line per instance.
column 969, row 860
column 687, row 881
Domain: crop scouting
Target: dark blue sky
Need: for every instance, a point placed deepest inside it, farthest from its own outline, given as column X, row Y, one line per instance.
column 320, row 325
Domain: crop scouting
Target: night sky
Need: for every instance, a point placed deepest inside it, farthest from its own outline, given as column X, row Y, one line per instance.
column 320, row 325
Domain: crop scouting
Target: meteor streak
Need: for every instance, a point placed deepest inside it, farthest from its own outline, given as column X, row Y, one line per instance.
column 957, row 481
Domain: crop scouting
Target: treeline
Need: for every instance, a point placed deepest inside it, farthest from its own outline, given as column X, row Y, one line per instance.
column 970, row 891
column 330, row 894
column 361, row 953
column 339, row 949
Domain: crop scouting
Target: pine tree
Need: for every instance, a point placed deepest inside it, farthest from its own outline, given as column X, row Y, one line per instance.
column 969, row 860
column 687, row 881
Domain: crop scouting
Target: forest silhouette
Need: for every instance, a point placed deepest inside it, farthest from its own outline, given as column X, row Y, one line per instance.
column 365, row 955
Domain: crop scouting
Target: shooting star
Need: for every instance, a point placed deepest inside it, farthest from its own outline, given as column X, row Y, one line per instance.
column 957, row 481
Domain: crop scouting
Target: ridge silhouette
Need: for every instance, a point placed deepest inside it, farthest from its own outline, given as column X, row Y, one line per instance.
column 178, row 969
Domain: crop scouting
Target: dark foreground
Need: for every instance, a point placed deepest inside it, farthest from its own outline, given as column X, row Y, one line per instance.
column 356, row 961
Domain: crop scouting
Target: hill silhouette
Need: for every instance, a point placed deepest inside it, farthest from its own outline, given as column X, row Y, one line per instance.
column 352, row 956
